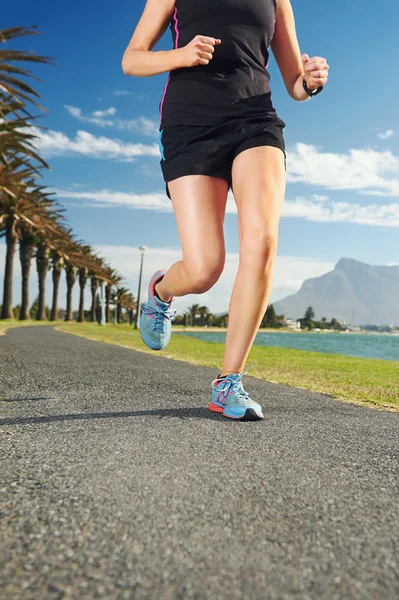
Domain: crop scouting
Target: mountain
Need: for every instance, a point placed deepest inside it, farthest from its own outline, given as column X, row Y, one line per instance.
column 355, row 292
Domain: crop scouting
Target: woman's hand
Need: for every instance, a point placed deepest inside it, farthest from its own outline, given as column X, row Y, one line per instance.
column 199, row 51
column 316, row 71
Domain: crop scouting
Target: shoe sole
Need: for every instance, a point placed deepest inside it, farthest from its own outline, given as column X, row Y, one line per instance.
column 249, row 415
column 150, row 347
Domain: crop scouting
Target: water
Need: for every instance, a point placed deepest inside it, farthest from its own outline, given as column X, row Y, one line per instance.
column 383, row 346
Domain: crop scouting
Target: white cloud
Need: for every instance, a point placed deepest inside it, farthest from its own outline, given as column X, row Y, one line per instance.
column 138, row 96
column 153, row 201
column 103, row 113
column 141, row 125
column 96, row 118
column 386, row 135
column 345, row 212
column 320, row 209
column 367, row 171
column 54, row 143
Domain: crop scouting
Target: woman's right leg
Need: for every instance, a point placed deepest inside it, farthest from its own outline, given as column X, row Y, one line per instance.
column 199, row 204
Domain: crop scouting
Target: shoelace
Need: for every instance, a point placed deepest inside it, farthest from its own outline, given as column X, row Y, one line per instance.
column 160, row 314
column 235, row 385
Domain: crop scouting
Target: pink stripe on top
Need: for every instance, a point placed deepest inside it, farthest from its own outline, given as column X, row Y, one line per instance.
column 176, row 46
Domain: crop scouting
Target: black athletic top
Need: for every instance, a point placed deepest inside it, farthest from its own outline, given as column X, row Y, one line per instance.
column 235, row 83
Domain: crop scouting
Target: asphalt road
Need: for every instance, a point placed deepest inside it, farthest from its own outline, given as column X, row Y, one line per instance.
column 118, row 483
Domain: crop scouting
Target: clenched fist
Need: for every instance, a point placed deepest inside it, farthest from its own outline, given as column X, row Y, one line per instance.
column 316, row 71
column 199, row 51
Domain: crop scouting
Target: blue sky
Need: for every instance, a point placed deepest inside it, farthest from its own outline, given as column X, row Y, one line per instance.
column 342, row 146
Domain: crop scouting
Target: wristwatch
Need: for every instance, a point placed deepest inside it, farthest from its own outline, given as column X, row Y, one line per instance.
column 309, row 92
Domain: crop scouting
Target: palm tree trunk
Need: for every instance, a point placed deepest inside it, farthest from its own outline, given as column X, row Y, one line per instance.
column 25, row 255
column 42, row 263
column 82, row 284
column 107, row 303
column 94, row 285
column 11, row 241
column 118, row 313
column 70, row 279
column 56, row 284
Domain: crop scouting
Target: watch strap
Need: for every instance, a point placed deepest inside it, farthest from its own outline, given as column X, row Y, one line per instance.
column 309, row 92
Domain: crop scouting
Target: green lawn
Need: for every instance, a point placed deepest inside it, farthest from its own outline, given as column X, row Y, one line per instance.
column 360, row 380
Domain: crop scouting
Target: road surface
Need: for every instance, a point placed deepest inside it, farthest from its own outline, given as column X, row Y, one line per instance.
column 118, row 483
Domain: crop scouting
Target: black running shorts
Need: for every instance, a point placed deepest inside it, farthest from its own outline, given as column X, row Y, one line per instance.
column 211, row 149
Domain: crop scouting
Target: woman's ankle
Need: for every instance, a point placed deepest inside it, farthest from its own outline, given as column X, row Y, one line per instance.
column 159, row 295
column 223, row 375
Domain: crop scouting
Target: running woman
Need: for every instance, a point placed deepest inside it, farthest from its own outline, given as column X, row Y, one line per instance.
column 219, row 130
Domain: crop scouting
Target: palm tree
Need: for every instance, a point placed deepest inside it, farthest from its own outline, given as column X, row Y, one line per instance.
column 16, row 149
column 70, row 271
column 62, row 243
column 9, row 232
column 94, row 283
column 121, row 295
column 24, row 211
column 45, row 221
column 203, row 311
column 130, row 305
column 83, row 270
column 193, row 309
column 26, row 250
column 113, row 278
column 57, row 263
column 11, row 86
column 42, row 265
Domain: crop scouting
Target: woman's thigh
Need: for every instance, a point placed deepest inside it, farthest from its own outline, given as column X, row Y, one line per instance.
column 199, row 204
column 258, row 183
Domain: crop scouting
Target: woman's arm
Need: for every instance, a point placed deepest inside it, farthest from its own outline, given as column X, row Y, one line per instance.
column 137, row 58
column 292, row 65
column 140, row 60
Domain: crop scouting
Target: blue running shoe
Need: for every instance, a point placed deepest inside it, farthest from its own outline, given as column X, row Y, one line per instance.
column 230, row 398
column 156, row 317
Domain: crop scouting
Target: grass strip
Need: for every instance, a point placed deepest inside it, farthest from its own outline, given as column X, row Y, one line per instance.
column 364, row 381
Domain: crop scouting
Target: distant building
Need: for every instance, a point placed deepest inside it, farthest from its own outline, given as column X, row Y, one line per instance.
column 354, row 328
column 292, row 324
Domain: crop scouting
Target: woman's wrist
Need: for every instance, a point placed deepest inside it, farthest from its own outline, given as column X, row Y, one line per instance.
column 144, row 63
column 177, row 58
column 299, row 93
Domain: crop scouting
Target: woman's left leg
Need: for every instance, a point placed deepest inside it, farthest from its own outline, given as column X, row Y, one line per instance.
column 258, row 183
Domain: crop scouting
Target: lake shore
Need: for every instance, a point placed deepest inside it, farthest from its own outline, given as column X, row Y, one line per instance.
column 285, row 330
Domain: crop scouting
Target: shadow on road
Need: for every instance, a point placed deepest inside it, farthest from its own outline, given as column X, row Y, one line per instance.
column 180, row 413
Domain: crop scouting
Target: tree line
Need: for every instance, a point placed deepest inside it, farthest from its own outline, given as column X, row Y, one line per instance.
column 31, row 220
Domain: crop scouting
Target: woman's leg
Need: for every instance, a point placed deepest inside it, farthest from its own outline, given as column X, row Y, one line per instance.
column 258, row 176
column 199, row 204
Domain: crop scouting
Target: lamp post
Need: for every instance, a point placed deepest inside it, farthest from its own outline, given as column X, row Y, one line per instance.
column 115, row 309
column 103, row 303
column 142, row 250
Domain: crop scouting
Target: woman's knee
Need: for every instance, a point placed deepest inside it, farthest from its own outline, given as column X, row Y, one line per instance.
column 204, row 275
column 258, row 245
